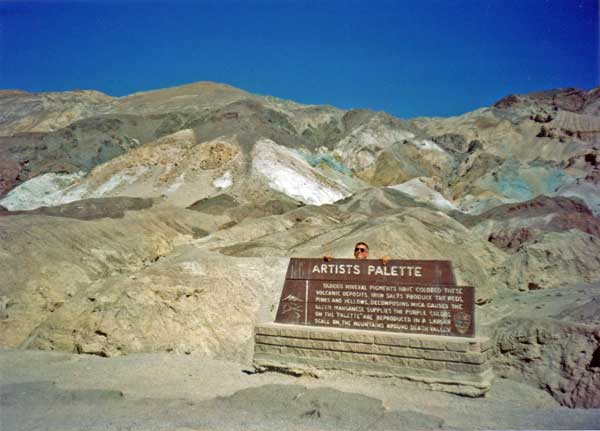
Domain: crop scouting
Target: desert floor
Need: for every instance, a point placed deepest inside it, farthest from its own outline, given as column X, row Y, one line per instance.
column 58, row 391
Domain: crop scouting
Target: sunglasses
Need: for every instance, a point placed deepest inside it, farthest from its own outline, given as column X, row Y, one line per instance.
column 360, row 249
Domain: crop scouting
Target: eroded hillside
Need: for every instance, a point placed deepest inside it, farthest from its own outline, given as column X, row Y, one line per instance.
column 163, row 221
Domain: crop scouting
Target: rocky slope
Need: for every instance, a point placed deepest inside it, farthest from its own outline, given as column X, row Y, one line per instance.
column 163, row 221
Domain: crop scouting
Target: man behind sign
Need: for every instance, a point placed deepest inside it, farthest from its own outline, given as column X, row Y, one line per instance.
column 361, row 251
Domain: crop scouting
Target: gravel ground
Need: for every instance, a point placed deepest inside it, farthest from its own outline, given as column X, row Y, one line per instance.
column 58, row 391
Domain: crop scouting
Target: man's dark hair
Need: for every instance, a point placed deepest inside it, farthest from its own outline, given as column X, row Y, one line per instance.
column 361, row 243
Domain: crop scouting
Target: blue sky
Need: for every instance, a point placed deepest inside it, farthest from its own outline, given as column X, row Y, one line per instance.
column 409, row 58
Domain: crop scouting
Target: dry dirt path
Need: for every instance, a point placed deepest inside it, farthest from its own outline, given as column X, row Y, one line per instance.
column 58, row 391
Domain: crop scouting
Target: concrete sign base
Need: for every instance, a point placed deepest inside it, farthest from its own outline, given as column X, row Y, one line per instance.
column 450, row 364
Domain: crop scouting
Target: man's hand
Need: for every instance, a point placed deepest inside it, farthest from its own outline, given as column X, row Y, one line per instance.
column 385, row 259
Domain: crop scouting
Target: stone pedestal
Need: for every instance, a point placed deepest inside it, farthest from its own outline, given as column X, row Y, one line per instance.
column 450, row 364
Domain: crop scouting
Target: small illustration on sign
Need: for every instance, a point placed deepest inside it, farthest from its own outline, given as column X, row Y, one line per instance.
column 462, row 321
column 292, row 304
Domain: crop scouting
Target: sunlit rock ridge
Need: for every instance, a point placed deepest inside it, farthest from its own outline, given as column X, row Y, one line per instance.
column 164, row 220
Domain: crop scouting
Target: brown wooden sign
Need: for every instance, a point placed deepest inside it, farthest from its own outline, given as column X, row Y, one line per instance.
column 415, row 296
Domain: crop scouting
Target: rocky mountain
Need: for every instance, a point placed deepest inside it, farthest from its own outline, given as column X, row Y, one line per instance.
column 164, row 221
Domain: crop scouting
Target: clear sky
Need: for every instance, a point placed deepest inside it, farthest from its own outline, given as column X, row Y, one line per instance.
column 409, row 58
